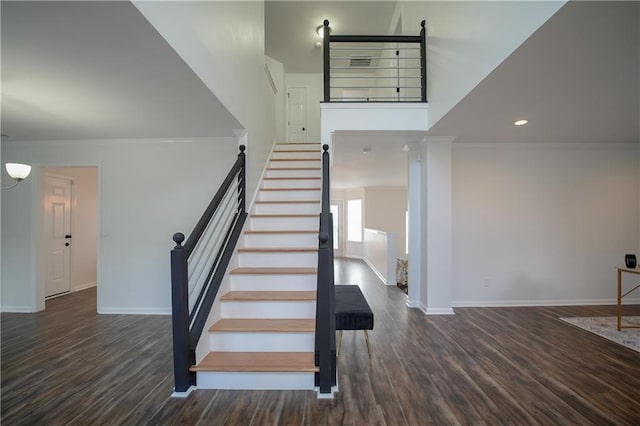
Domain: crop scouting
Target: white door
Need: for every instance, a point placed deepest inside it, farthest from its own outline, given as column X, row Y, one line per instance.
column 297, row 115
column 57, row 233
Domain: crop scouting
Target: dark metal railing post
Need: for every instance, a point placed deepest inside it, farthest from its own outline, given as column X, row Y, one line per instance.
column 423, row 61
column 326, row 38
column 242, row 179
column 183, row 356
column 325, row 316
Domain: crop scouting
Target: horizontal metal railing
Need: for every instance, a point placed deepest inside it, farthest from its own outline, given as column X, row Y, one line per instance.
column 374, row 68
column 198, row 266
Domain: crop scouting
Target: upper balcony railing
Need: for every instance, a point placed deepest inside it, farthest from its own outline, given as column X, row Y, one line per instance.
column 374, row 68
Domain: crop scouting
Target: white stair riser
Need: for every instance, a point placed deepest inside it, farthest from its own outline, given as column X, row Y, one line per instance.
column 284, row 223
column 268, row 309
column 305, row 282
column 281, row 240
column 280, row 146
column 296, row 155
column 295, row 163
column 291, row 183
column 297, row 195
column 255, row 380
column 278, row 259
column 293, row 173
column 241, row 341
column 292, row 208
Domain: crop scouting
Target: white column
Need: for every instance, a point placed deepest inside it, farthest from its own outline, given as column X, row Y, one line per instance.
column 415, row 256
column 437, row 292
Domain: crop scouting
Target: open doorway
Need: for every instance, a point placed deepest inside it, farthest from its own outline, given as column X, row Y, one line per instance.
column 69, row 229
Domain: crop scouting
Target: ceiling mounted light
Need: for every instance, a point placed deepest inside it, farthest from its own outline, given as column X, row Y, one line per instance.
column 520, row 122
column 366, row 150
column 320, row 30
column 18, row 172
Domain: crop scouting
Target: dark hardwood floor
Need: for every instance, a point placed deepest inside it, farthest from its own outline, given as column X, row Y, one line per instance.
column 68, row 365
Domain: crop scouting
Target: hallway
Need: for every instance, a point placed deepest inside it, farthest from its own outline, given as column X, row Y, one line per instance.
column 481, row 366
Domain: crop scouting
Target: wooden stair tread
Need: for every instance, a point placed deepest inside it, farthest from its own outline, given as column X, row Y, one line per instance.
column 293, row 178
column 296, row 159
column 257, row 362
column 274, row 271
column 265, row 325
column 281, row 231
column 293, row 168
column 289, row 202
column 283, row 215
column 277, row 249
column 290, row 189
column 297, row 150
column 255, row 296
column 297, row 143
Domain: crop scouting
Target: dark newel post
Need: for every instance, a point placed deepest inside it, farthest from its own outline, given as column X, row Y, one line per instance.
column 325, row 61
column 242, row 181
column 183, row 356
column 325, row 333
column 423, row 61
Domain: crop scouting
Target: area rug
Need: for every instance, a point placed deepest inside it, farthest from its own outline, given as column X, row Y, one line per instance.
column 606, row 327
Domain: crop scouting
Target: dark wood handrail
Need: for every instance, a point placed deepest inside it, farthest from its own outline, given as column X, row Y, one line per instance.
column 188, row 326
column 198, row 230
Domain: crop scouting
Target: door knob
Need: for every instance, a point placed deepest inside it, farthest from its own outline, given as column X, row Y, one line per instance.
column 303, row 129
column 68, row 236
column 66, row 244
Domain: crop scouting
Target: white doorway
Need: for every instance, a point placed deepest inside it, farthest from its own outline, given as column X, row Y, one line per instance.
column 75, row 237
column 338, row 239
column 297, row 114
column 57, row 234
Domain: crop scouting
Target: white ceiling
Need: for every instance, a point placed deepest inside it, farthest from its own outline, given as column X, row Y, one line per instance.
column 290, row 35
column 87, row 70
column 577, row 79
column 98, row 70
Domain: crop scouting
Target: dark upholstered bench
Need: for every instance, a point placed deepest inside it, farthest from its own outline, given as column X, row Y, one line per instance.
column 352, row 312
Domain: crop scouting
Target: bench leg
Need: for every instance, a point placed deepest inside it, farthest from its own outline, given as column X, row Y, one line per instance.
column 339, row 343
column 366, row 336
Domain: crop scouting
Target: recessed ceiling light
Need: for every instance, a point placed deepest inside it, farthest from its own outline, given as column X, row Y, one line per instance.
column 521, row 122
column 366, row 150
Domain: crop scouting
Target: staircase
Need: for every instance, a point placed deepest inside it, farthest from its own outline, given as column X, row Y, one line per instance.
column 266, row 336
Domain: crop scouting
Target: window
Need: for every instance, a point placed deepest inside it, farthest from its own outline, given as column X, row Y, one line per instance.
column 354, row 220
column 335, row 211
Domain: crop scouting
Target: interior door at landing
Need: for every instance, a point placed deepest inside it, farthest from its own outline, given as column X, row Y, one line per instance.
column 57, row 230
column 297, row 115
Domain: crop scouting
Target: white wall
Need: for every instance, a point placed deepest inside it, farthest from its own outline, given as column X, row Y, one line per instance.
column 277, row 73
column 148, row 190
column 223, row 42
column 84, row 224
column 466, row 40
column 542, row 223
column 313, row 83
column 386, row 209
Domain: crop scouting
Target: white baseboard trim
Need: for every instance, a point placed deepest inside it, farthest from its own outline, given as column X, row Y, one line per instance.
column 134, row 311
column 183, row 394
column 18, row 309
column 438, row 311
column 525, row 303
column 412, row 304
column 249, row 207
column 378, row 273
column 85, row 286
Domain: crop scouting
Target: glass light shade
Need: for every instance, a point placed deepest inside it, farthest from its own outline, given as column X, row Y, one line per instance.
column 18, row 171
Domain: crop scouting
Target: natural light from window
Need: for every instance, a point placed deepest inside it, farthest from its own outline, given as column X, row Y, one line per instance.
column 336, row 219
column 354, row 220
